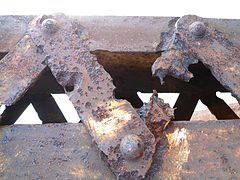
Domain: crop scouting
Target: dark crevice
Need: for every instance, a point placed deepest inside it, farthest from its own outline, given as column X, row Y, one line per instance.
column 206, row 86
column 131, row 72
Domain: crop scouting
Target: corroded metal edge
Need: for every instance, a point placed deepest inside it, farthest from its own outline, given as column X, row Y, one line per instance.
column 193, row 40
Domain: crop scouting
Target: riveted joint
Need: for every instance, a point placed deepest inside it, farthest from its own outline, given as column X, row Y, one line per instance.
column 132, row 147
column 197, row 29
column 49, row 26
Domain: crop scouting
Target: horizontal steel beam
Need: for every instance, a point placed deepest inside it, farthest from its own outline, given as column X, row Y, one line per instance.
column 112, row 33
column 125, row 46
column 187, row 150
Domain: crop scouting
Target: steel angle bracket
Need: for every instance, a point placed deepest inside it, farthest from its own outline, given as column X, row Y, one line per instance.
column 57, row 42
column 193, row 40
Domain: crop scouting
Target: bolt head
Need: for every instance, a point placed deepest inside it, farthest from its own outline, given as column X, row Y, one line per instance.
column 132, row 147
column 49, row 26
column 197, row 29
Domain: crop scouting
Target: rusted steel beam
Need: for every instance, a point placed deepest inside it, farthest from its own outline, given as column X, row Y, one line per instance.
column 115, row 34
column 194, row 40
column 64, row 45
column 198, row 150
column 56, row 42
column 66, row 53
column 12, row 30
column 123, row 46
column 19, row 70
column 51, row 151
column 187, row 150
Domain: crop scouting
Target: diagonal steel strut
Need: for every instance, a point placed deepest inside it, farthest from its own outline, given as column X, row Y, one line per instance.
column 56, row 42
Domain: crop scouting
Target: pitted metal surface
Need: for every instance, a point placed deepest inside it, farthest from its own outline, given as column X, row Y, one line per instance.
column 19, row 70
column 127, row 142
column 193, row 40
column 64, row 48
column 156, row 114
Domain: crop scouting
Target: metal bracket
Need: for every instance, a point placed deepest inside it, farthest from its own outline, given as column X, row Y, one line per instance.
column 193, row 40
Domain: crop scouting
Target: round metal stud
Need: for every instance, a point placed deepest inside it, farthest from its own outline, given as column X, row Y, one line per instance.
column 50, row 26
column 132, row 147
column 197, row 29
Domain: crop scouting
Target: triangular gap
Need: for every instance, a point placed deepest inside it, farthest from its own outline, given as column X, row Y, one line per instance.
column 39, row 95
column 29, row 116
column 49, row 89
column 202, row 113
column 67, row 108
column 45, row 96
column 169, row 98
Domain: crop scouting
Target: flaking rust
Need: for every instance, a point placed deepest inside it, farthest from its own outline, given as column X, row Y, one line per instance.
column 66, row 52
column 193, row 40
column 156, row 114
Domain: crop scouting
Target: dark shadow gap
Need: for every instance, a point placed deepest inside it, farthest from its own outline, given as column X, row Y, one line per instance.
column 131, row 72
column 206, row 86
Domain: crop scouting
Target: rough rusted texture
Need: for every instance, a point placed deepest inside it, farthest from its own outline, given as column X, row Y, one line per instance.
column 115, row 34
column 66, row 53
column 12, row 30
column 19, row 69
column 181, row 48
column 64, row 151
column 156, row 114
column 198, row 150
column 187, row 150
column 129, row 43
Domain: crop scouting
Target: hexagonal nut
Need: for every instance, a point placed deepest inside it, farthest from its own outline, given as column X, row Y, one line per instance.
column 132, row 147
column 197, row 29
column 49, row 26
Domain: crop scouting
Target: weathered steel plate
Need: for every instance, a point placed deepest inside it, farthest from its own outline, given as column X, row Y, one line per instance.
column 198, row 150
column 64, row 151
column 19, row 69
column 187, row 150
column 116, row 34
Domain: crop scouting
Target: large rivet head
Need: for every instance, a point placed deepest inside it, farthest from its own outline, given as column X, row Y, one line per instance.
column 132, row 147
column 49, row 26
column 197, row 29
